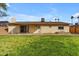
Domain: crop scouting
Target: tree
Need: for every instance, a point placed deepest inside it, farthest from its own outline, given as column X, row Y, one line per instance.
column 72, row 19
column 57, row 19
column 3, row 9
column 78, row 19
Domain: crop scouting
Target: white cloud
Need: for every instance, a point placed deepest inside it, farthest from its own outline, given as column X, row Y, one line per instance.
column 54, row 10
column 24, row 17
column 75, row 17
column 76, row 14
column 48, row 16
column 8, row 5
column 53, row 13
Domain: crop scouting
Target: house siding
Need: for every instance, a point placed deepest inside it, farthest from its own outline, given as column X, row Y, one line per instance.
column 13, row 29
column 45, row 29
column 32, row 29
column 16, row 29
column 53, row 29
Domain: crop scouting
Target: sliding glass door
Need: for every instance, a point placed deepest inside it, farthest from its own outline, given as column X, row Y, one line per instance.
column 24, row 29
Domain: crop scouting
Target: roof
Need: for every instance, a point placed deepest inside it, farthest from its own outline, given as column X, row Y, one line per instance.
column 3, row 21
column 40, row 23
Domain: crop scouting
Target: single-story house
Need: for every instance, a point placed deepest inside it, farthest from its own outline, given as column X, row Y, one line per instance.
column 14, row 27
column 37, row 27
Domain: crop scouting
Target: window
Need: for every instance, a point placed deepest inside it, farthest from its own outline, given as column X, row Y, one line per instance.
column 37, row 26
column 60, row 27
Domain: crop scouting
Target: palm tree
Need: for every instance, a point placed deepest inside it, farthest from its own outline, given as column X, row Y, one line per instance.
column 72, row 19
column 57, row 19
column 3, row 6
column 78, row 19
column 3, row 9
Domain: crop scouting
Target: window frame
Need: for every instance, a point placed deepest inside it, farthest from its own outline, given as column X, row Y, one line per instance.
column 60, row 27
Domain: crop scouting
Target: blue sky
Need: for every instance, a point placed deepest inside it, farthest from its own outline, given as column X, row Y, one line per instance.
column 34, row 11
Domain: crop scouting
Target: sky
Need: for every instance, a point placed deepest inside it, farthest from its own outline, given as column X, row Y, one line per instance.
column 50, row 11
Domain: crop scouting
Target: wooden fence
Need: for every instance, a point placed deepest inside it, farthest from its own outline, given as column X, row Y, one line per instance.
column 74, row 29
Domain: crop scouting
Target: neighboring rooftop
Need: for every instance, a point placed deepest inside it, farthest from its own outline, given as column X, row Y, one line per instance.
column 4, row 22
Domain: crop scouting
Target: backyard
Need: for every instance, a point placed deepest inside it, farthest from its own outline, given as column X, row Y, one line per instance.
column 39, row 45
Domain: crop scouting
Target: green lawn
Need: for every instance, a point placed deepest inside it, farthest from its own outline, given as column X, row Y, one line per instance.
column 36, row 45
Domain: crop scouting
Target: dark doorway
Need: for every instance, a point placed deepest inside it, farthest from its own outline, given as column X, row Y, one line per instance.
column 24, row 29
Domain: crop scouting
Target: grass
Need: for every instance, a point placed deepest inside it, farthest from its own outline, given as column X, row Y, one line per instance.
column 39, row 45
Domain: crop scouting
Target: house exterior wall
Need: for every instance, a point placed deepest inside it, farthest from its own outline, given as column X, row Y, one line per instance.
column 53, row 29
column 45, row 29
column 32, row 29
column 13, row 29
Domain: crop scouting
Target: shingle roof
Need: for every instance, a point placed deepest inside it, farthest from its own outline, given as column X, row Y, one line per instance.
column 39, row 23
